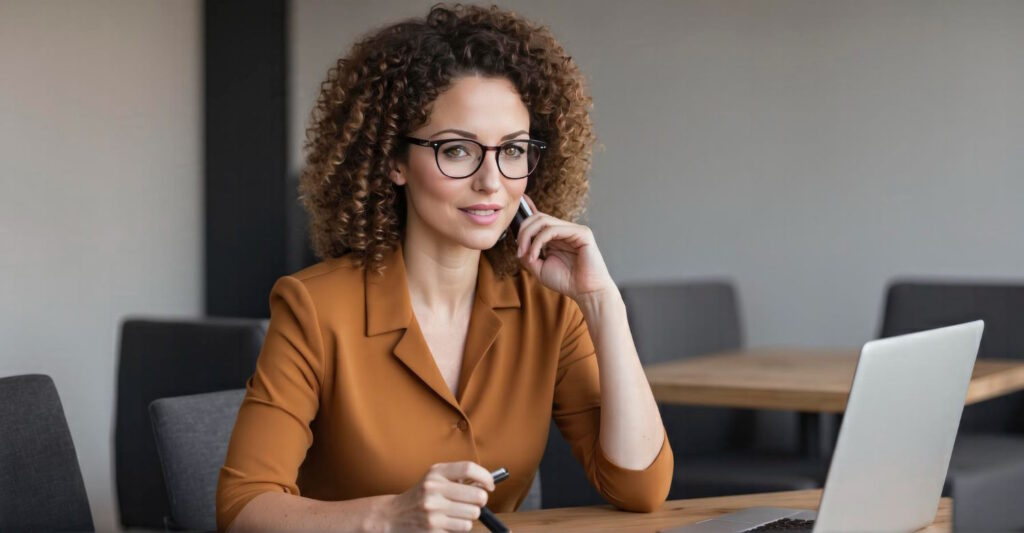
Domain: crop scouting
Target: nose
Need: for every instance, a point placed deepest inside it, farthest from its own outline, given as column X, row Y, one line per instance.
column 488, row 178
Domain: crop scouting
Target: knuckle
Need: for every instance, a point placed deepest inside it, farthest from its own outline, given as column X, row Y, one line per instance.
column 431, row 503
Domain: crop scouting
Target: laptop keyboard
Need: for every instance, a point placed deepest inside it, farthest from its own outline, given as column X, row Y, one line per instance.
column 785, row 524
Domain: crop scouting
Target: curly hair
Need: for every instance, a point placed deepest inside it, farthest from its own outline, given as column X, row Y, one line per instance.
column 385, row 88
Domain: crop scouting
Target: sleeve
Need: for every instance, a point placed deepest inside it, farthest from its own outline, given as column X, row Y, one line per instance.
column 577, row 413
column 272, row 432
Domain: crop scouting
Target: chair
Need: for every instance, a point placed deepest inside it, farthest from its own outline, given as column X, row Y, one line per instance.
column 717, row 451
column 41, row 486
column 532, row 502
column 192, row 434
column 165, row 358
column 986, row 472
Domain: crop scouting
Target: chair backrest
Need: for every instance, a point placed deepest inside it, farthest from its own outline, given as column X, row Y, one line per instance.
column 41, row 486
column 532, row 502
column 912, row 306
column 677, row 320
column 192, row 434
column 164, row 358
column 674, row 320
column 669, row 320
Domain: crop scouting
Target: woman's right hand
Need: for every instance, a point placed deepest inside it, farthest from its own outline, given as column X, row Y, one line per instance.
column 448, row 498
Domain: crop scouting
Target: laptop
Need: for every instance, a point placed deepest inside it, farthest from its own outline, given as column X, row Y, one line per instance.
column 894, row 444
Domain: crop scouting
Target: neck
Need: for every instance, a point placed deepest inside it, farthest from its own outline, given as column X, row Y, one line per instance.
column 441, row 279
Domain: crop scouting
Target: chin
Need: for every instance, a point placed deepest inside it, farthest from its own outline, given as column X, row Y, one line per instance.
column 480, row 242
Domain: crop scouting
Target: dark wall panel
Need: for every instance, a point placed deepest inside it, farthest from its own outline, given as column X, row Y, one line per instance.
column 246, row 186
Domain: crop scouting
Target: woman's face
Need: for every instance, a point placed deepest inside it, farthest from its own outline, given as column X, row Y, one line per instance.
column 471, row 212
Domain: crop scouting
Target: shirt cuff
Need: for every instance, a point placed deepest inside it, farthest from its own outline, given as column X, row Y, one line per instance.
column 640, row 491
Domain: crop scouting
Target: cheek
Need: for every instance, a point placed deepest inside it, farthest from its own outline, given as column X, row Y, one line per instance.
column 429, row 187
column 516, row 189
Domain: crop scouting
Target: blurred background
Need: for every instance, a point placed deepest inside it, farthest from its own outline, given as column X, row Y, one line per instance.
column 808, row 151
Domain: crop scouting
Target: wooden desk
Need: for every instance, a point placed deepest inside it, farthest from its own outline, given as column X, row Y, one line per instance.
column 794, row 379
column 673, row 514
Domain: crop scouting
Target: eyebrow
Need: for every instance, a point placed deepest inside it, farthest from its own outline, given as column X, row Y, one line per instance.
column 473, row 136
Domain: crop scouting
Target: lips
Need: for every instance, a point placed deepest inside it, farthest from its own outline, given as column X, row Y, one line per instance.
column 482, row 207
column 483, row 214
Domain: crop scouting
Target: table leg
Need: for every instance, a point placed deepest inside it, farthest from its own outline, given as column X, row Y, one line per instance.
column 818, row 434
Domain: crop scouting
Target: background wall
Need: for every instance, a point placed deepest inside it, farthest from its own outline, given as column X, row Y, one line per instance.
column 100, row 205
column 808, row 150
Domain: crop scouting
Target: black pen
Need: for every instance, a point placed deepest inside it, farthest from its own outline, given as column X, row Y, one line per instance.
column 487, row 517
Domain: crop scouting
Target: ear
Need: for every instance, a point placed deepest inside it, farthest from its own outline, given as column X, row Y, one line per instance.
column 398, row 173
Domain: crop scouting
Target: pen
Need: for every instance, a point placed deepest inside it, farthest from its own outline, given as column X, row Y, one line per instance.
column 487, row 517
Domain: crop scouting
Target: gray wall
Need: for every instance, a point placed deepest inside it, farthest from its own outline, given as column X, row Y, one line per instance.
column 100, row 205
column 808, row 150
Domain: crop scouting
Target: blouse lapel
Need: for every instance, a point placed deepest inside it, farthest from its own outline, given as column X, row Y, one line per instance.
column 388, row 308
column 485, row 324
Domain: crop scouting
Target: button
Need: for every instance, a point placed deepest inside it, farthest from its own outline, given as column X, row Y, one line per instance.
column 462, row 425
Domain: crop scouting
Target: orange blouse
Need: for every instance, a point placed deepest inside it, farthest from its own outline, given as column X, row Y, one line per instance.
column 347, row 401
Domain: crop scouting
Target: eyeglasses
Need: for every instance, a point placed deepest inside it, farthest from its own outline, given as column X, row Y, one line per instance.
column 461, row 158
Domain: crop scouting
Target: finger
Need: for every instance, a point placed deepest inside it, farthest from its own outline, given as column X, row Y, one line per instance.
column 466, row 471
column 547, row 234
column 466, row 511
column 441, row 522
column 526, row 231
column 464, row 494
column 534, row 217
column 534, row 266
column 526, row 237
column 529, row 202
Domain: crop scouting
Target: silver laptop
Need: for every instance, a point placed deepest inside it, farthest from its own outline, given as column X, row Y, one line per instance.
column 894, row 445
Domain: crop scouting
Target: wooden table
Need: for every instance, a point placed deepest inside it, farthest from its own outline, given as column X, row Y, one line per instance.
column 813, row 382
column 794, row 379
column 673, row 514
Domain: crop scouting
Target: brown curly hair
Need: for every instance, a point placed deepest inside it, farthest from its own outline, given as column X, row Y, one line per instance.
column 385, row 87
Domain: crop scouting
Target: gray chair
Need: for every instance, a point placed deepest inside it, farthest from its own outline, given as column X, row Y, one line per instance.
column 532, row 502
column 41, row 486
column 162, row 358
column 192, row 434
column 986, row 472
column 717, row 451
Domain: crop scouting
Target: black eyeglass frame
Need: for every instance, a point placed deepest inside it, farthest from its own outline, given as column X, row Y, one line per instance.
column 436, row 145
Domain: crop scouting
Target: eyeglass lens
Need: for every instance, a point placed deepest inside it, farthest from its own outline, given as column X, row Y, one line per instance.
column 461, row 158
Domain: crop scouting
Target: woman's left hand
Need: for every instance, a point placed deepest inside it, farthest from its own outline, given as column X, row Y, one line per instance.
column 572, row 265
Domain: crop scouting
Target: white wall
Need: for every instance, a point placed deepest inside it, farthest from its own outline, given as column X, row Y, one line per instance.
column 809, row 150
column 100, row 198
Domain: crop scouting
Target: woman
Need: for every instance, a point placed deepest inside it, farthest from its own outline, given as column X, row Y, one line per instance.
column 430, row 346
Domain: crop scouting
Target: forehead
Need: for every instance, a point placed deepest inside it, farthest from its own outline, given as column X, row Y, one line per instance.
column 485, row 106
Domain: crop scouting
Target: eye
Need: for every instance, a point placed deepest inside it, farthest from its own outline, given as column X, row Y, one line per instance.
column 513, row 150
column 455, row 151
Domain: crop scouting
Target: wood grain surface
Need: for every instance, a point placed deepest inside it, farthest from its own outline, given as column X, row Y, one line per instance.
column 794, row 379
column 674, row 513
